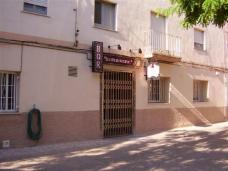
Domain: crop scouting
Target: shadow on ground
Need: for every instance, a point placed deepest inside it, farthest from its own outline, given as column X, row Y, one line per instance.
column 180, row 149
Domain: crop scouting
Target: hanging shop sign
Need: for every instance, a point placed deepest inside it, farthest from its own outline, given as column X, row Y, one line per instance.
column 116, row 59
column 97, row 56
column 153, row 70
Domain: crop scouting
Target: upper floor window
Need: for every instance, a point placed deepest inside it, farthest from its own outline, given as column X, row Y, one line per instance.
column 8, row 92
column 199, row 39
column 36, row 6
column 158, row 90
column 105, row 15
column 200, row 89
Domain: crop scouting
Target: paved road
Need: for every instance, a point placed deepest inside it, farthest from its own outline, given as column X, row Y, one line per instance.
column 191, row 148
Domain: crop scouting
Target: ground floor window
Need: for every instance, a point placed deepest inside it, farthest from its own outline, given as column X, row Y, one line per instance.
column 8, row 92
column 158, row 90
column 200, row 91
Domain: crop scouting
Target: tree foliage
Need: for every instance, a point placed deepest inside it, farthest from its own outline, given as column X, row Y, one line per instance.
column 202, row 12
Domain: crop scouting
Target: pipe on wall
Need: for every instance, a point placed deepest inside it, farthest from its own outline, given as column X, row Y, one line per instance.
column 45, row 45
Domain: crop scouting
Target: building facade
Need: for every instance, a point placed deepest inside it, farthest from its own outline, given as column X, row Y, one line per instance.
column 46, row 62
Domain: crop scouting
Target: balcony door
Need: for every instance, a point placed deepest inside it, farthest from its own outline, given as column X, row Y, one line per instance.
column 158, row 32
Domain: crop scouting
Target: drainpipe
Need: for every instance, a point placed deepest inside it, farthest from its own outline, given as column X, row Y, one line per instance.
column 225, row 87
column 225, row 77
column 22, row 53
column 76, row 32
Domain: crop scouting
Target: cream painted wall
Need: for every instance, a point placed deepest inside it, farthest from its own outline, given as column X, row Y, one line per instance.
column 214, row 53
column 133, row 21
column 181, row 87
column 133, row 25
column 226, row 42
column 59, row 24
column 44, row 81
column 10, row 57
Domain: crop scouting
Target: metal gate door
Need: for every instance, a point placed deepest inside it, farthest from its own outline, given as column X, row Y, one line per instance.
column 118, row 103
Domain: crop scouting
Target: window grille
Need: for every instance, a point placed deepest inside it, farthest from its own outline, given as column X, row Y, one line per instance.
column 159, row 90
column 36, row 6
column 8, row 92
column 200, row 89
column 105, row 15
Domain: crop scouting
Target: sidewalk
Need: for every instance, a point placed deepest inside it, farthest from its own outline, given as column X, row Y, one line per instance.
column 191, row 148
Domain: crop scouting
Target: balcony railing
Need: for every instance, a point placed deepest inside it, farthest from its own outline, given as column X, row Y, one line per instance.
column 162, row 43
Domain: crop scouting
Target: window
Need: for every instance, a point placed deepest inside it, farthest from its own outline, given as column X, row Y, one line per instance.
column 105, row 15
column 159, row 90
column 200, row 89
column 8, row 92
column 199, row 38
column 36, row 6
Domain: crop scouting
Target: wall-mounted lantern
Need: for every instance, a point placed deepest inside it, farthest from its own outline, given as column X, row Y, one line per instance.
column 139, row 50
column 151, row 69
column 118, row 46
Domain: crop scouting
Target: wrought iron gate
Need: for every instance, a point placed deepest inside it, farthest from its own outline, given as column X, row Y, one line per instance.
column 118, row 103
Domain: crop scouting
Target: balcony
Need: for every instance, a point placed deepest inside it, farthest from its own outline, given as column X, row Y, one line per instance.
column 162, row 47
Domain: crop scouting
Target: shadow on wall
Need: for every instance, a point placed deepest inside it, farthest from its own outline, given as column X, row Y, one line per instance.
column 198, row 115
column 173, row 150
column 57, row 127
column 183, row 111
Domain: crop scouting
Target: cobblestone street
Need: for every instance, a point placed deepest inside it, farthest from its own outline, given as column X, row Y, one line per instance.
column 191, row 148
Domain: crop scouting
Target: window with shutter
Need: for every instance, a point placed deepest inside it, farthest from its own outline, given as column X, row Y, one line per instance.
column 199, row 39
column 36, row 6
column 105, row 15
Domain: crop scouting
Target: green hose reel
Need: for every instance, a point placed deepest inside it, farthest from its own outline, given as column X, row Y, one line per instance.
column 34, row 135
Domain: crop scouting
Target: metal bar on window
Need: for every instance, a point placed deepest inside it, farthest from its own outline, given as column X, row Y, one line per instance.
column 1, row 75
column 8, row 92
column 15, row 83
